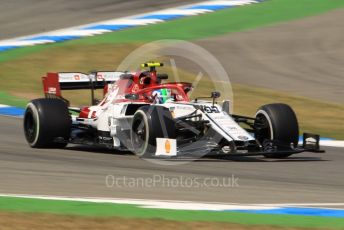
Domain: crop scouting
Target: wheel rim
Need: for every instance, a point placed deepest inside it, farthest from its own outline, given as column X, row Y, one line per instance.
column 30, row 127
column 139, row 135
column 262, row 128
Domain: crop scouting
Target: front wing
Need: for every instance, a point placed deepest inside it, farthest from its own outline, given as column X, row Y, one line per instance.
column 310, row 143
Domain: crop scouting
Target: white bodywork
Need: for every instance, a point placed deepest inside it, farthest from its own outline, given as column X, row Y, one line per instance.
column 111, row 117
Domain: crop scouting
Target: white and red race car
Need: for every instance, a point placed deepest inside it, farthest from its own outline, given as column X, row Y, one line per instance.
column 141, row 114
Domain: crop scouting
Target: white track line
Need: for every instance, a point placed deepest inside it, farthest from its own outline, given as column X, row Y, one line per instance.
column 332, row 143
column 228, row 3
column 25, row 43
column 4, row 106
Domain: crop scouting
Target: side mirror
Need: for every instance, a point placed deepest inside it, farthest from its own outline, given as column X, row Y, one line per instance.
column 131, row 96
column 215, row 94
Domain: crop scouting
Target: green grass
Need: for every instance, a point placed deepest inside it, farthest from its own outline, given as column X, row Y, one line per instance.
column 124, row 210
column 9, row 99
column 203, row 26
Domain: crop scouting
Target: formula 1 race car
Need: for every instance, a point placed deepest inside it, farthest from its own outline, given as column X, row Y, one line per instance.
column 142, row 114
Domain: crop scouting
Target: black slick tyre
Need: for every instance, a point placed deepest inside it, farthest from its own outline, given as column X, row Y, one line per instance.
column 45, row 121
column 277, row 122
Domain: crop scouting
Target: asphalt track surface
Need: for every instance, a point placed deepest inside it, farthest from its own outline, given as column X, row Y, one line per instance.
column 26, row 17
column 82, row 171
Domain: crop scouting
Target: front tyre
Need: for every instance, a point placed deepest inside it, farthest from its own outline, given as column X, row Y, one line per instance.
column 277, row 122
column 46, row 120
column 149, row 123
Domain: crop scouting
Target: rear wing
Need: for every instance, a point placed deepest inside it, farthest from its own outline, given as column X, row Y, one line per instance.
column 53, row 83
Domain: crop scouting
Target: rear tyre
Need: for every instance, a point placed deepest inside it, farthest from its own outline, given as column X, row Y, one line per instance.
column 149, row 123
column 277, row 122
column 46, row 120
